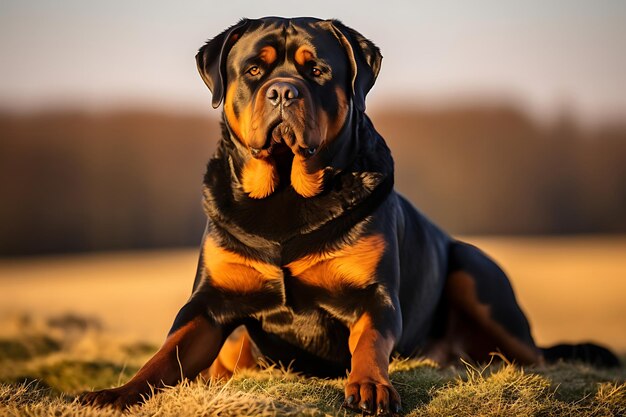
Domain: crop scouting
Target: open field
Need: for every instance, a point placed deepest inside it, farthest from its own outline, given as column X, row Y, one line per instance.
column 572, row 289
column 111, row 310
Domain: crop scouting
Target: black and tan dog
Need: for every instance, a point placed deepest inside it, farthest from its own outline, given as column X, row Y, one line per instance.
column 307, row 245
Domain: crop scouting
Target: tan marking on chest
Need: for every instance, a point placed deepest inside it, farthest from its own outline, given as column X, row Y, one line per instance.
column 259, row 178
column 306, row 180
column 352, row 266
column 234, row 272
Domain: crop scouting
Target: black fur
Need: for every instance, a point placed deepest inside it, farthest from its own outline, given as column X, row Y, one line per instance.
column 306, row 326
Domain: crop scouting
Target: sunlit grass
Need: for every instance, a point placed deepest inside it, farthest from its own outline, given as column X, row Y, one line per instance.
column 44, row 367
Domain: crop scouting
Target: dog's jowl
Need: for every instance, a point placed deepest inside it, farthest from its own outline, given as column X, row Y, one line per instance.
column 310, row 258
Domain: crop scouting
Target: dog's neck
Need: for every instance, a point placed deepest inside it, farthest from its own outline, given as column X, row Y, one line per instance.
column 352, row 190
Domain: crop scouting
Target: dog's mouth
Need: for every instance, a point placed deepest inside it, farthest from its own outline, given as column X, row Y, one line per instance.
column 280, row 136
column 280, row 139
column 274, row 140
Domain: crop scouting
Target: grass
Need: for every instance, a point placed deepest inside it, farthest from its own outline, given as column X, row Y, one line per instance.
column 45, row 364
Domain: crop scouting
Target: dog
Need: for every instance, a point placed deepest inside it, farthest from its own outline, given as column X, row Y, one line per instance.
column 310, row 259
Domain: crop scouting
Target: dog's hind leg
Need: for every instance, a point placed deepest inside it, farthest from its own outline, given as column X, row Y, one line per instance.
column 481, row 313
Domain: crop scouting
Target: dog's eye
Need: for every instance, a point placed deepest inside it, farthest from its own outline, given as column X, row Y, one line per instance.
column 254, row 71
column 316, row 72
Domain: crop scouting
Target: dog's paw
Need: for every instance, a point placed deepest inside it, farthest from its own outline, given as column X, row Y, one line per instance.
column 372, row 396
column 120, row 398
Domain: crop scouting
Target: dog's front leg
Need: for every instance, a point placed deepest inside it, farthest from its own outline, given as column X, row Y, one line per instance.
column 369, row 389
column 191, row 346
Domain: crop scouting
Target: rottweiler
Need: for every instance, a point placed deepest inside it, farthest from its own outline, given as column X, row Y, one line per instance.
column 309, row 258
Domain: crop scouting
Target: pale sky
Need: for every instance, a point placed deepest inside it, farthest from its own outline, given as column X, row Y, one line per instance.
column 540, row 54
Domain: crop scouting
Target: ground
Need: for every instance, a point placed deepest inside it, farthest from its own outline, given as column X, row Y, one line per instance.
column 69, row 324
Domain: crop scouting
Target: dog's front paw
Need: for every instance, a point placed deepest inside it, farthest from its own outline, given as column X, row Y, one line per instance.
column 120, row 398
column 371, row 395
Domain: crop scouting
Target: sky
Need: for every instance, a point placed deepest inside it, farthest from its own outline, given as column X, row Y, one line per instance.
column 545, row 56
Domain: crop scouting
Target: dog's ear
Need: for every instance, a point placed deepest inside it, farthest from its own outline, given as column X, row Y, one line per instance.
column 365, row 60
column 211, row 59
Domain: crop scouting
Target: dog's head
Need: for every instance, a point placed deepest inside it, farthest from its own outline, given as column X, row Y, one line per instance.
column 288, row 84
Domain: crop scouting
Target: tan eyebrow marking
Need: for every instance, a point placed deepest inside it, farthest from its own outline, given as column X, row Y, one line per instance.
column 303, row 54
column 268, row 54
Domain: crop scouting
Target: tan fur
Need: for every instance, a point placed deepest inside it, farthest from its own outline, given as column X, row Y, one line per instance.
column 475, row 318
column 352, row 266
column 307, row 184
column 236, row 354
column 268, row 54
column 234, row 272
column 259, row 178
column 239, row 125
column 369, row 377
column 303, row 54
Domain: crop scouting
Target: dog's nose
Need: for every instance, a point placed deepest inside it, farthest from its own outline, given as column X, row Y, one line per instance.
column 281, row 92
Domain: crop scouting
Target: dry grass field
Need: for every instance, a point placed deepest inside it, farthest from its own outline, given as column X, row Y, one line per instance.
column 70, row 323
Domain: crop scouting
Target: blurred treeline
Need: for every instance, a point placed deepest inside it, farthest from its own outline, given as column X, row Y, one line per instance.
column 78, row 181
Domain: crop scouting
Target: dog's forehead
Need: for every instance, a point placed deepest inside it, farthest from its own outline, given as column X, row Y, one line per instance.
column 287, row 34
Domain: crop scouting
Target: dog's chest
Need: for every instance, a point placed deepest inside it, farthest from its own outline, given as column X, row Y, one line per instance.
column 351, row 266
